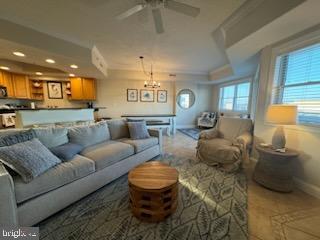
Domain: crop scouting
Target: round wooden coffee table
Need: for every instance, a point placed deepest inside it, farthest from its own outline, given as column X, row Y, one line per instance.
column 153, row 189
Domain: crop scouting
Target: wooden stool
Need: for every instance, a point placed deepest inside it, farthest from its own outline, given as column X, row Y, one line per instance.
column 153, row 189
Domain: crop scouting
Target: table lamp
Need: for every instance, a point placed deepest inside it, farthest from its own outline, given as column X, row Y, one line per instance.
column 281, row 115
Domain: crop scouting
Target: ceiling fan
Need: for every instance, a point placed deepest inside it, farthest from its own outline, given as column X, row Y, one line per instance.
column 156, row 13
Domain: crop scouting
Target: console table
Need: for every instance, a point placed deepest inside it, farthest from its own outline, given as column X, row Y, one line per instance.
column 160, row 121
column 274, row 169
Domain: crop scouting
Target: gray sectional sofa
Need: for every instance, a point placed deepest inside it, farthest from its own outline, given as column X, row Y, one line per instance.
column 26, row 204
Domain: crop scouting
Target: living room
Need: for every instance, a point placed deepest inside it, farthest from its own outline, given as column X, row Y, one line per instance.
column 160, row 119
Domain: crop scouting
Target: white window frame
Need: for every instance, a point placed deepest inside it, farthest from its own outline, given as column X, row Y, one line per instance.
column 285, row 48
column 235, row 83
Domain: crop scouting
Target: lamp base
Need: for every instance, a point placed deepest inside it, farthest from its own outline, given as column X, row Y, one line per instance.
column 279, row 138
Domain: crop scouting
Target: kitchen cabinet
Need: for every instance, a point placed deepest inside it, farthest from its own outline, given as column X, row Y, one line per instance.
column 83, row 89
column 21, row 87
column 6, row 80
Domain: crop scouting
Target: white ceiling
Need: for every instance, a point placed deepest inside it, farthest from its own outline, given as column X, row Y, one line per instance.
column 186, row 46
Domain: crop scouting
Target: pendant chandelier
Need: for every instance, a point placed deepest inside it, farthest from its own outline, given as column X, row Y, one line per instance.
column 151, row 83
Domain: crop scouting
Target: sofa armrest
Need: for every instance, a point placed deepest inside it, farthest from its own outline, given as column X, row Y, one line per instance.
column 8, row 205
column 245, row 139
column 209, row 134
column 157, row 133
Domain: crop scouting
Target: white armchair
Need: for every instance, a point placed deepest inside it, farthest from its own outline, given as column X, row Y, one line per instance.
column 227, row 144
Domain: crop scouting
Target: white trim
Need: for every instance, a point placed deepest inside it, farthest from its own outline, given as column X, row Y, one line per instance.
column 307, row 187
column 186, row 126
column 300, row 184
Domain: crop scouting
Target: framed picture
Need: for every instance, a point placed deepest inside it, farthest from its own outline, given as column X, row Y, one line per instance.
column 55, row 90
column 132, row 95
column 146, row 95
column 162, row 96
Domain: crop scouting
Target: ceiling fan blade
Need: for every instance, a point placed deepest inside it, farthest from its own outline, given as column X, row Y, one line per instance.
column 157, row 18
column 182, row 8
column 131, row 11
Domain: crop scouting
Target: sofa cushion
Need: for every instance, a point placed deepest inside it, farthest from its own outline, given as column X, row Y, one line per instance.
column 29, row 159
column 89, row 135
column 66, row 152
column 52, row 137
column 55, row 177
column 107, row 153
column 138, row 130
column 118, row 129
column 218, row 150
column 8, row 138
column 141, row 144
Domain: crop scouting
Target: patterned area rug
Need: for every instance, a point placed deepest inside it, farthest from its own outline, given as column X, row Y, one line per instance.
column 211, row 205
column 191, row 132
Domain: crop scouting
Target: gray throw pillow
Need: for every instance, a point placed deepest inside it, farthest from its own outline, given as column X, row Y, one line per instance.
column 89, row 135
column 52, row 137
column 138, row 130
column 66, row 151
column 29, row 159
column 16, row 137
column 118, row 129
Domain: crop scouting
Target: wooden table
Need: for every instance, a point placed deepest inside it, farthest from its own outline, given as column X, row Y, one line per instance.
column 153, row 189
column 274, row 169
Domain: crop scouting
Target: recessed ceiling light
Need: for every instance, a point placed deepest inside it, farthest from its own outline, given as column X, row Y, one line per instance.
column 74, row 66
column 50, row 60
column 39, row 73
column 4, row 68
column 19, row 54
column 71, row 75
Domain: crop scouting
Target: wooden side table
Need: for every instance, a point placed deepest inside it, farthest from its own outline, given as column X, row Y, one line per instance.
column 153, row 188
column 274, row 169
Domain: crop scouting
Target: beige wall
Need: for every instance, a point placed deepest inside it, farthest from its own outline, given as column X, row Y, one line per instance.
column 304, row 139
column 112, row 94
column 58, row 102
column 187, row 117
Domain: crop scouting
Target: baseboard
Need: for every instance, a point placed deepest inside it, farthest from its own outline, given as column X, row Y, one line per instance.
column 186, row 126
column 302, row 185
column 307, row 187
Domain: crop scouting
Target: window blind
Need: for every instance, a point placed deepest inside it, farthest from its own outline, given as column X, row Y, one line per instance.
column 235, row 97
column 297, row 81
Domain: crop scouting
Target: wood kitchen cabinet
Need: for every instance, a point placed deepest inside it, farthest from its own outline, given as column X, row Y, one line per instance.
column 6, row 80
column 83, row 89
column 21, row 87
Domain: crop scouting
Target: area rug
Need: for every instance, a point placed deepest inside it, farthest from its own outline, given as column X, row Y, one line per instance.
column 191, row 132
column 211, row 205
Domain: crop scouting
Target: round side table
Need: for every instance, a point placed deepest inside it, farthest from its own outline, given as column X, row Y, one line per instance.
column 153, row 188
column 274, row 169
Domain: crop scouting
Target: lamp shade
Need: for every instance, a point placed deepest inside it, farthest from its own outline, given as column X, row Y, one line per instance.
column 282, row 114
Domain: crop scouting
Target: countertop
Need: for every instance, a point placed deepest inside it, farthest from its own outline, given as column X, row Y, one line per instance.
column 38, row 109
column 148, row 115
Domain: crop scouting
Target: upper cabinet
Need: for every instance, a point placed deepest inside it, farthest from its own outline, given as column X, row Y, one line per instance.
column 6, row 81
column 83, row 89
column 21, row 87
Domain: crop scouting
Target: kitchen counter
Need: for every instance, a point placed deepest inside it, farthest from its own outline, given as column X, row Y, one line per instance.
column 13, row 110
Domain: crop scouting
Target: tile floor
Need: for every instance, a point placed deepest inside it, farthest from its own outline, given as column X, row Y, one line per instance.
column 272, row 215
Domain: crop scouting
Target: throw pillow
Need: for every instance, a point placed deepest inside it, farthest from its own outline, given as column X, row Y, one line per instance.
column 52, row 137
column 16, row 137
column 29, row 159
column 66, row 151
column 118, row 129
column 138, row 130
column 89, row 135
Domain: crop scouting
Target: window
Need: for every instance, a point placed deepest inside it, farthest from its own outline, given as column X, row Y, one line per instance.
column 235, row 97
column 297, row 81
